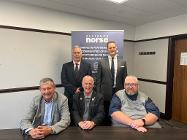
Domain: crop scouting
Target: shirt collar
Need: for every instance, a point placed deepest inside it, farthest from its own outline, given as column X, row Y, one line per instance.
column 110, row 57
column 76, row 63
column 88, row 96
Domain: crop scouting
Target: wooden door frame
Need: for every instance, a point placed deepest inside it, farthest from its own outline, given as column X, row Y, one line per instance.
column 170, row 74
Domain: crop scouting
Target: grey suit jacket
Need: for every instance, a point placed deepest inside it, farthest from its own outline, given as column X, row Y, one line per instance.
column 104, row 77
column 35, row 114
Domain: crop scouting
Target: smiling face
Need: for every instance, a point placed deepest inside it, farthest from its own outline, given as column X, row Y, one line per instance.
column 47, row 90
column 131, row 85
column 112, row 48
column 76, row 54
column 88, row 84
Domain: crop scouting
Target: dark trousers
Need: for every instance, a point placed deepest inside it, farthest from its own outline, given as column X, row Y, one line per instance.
column 107, row 120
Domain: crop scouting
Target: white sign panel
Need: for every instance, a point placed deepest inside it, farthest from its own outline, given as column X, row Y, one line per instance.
column 183, row 60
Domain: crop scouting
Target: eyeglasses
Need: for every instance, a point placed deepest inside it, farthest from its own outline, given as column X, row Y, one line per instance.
column 131, row 84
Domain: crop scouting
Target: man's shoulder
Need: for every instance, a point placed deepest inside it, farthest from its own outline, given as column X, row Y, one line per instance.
column 120, row 92
column 142, row 95
column 60, row 96
column 97, row 94
column 68, row 63
column 103, row 60
column 37, row 97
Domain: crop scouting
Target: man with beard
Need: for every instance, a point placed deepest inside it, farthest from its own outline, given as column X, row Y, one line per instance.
column 131, row 108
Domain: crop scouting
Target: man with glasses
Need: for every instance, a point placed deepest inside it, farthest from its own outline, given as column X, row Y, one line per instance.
column 132, row 108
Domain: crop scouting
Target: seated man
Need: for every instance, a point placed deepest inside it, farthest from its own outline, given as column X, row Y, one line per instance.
column 88, row 108
column 48, row 113
column 132, row 108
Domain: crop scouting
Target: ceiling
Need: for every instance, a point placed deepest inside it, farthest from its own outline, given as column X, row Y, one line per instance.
column 132, row 12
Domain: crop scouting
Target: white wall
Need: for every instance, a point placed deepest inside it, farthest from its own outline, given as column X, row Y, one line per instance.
column 166, row 27
column 152, row 67
column 20, row 15
column 129, row 56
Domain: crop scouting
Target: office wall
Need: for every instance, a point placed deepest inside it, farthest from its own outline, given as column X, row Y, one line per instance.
column 27, row 56
column 166, row 27
column 15, row 14
column 153, row 67
column 129, row 56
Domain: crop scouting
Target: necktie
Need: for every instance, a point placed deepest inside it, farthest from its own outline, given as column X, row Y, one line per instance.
column 112, row 71
column 76, row 70
column 76, row 67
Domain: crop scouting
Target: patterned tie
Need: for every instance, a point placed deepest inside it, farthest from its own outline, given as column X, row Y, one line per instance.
column 112, row 71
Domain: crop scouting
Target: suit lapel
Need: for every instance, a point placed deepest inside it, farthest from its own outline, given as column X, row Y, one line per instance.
column 72, row 70
column 91, row 105
column 82, row 102
column 107, row 66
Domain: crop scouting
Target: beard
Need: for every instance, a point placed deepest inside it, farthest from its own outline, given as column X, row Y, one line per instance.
column 130, row 92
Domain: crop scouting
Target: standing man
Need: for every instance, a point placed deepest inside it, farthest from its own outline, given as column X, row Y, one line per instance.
column 48, row 113
column 72, row 74
column 110, row 76
column 88, row 107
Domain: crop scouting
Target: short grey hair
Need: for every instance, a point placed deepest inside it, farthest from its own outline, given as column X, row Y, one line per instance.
column 47, row 80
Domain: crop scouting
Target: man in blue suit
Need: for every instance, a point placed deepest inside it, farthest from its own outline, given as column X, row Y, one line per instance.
column 72, row 75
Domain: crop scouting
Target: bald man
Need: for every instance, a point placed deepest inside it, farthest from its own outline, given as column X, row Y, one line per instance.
column 131, row 108
column 88, row 108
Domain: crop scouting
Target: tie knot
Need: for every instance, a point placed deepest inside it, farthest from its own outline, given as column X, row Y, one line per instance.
column 76, row 64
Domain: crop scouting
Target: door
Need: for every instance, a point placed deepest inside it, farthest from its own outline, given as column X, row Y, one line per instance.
column 179, row 99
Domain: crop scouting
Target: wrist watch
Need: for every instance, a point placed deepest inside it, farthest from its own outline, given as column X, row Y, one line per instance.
column 143, row 120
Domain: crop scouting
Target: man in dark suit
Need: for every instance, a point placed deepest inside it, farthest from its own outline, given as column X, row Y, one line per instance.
column 88, row 107
column 110, row 76
column 72, row 74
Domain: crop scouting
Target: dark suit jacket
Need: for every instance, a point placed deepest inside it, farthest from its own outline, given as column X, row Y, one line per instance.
column 96, row 108
column 70, row 82
column 104, row 77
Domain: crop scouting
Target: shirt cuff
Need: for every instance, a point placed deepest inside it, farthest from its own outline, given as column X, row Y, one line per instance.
column 27, row 130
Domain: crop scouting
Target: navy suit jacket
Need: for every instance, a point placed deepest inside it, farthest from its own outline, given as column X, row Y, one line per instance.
column 96, row 108
column 69, row 80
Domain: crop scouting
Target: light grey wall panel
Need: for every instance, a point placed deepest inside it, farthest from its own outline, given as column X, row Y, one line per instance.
column 129, row 56
column 152, row 67
column 26, row 57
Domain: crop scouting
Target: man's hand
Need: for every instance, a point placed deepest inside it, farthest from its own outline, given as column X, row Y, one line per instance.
column 137, row 123
column 40, row 132
column 36, row 133
column 141, row 129
column 86, row 125
column 77, row 91
column 45, row 129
